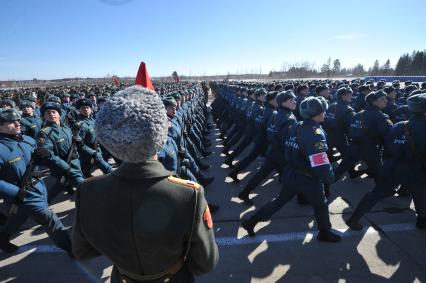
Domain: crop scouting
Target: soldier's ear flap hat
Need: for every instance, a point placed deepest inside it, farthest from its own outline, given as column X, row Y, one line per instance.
column 50, row 105
column 312, row 106
column 9, row 115
column 284, row 95
column 83, row 102
column 343, row 91
column 132, row 125
column 370, row 98
column 26, row 103
column 417, row 103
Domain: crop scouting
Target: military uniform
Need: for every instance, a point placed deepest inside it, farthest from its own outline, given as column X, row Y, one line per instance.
column 31, row 200
column 306, row 173
column 90, row 150
column 30, row 125
column 152, row 226
column 57, row 141
column 406, row 166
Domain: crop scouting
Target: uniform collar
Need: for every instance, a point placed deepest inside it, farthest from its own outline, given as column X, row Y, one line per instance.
column 309, row 121
column 147, row 170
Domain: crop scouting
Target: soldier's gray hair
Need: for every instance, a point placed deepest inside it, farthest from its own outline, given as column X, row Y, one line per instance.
column 132, row 125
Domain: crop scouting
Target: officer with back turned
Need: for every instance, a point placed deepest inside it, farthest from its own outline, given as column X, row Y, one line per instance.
column 154, row 227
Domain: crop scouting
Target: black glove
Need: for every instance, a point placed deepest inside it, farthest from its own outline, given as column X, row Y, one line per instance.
column 42, row 153
column 78, row 141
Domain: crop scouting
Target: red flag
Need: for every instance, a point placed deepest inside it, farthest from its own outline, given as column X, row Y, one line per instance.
column 116, row 81
column 142, row 78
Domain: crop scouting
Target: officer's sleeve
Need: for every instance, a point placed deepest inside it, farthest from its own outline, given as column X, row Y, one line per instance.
column 81, row 248
column 85, row 149
column 384, row 126
column 316, row 151
column 54, row 161
column 348, row 117
column 203, row 253
column 7, row 189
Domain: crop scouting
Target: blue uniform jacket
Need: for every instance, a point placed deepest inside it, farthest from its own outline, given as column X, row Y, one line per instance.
column 306, row 151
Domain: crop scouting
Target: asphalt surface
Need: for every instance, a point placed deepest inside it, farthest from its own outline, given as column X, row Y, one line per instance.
column 389, row 249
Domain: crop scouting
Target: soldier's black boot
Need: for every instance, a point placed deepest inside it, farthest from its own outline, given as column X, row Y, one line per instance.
column 328, row 236
column 3, row 219
column 249, row 225
column 244, row 196
column 234, row 176
column 353, row 174
column 228, row 162
column 421, row 222
column 225, row 150
column 353, row 223
column 403, row 192
column 7, row 246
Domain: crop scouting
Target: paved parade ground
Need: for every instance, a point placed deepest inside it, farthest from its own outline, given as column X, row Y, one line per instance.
column 389, row 249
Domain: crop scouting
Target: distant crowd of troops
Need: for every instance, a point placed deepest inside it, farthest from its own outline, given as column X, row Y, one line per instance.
column 303, row 128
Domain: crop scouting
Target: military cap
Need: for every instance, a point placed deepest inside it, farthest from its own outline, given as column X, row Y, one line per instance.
column 312, row 106
column 91, row 94
column 396, row 83
column 9, row 115
column 169, row 101
column 83, row 102
column 417, row 103
column 50, row 105
column 9, row 102
column 343, row 91
column 410, row 89
column 284, row 96
column 301, row 87
column 132, row 125
column 363, row 88
column 409, row 82
column 30, row 98
column 66, row 95
column 271, row 95
column 373, row 96
column 102, row 99
column 54, row 99
column 320, row 88
column 288, row 87
column 389, row 89
column 259, row 92
column 75, row 96
column 26, row 103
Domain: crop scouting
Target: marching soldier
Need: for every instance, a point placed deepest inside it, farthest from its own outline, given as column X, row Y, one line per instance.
column 90, row 149
column 22, row 189
column 308, row 170
column 406, row 165
column 58, row 150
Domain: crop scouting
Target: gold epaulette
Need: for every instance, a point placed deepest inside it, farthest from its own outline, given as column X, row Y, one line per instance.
column 183, row 182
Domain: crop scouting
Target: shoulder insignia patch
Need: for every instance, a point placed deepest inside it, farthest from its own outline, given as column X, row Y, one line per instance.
column 320, row 146
column 317, row 131
column 45, row 129
column 207, row 218
column 183, row 182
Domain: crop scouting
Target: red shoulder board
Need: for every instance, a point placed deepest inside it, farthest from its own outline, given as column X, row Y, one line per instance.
column 183, row 182
column 207, row 218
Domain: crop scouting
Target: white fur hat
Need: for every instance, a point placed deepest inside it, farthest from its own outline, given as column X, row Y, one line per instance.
column 132, row 125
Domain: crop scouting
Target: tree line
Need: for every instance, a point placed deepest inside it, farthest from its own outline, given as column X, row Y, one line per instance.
column 413, row 64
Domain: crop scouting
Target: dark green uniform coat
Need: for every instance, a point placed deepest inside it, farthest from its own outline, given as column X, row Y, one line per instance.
column 141, row 219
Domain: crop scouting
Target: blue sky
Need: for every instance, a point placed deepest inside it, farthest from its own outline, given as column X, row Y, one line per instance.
column 67, row 38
